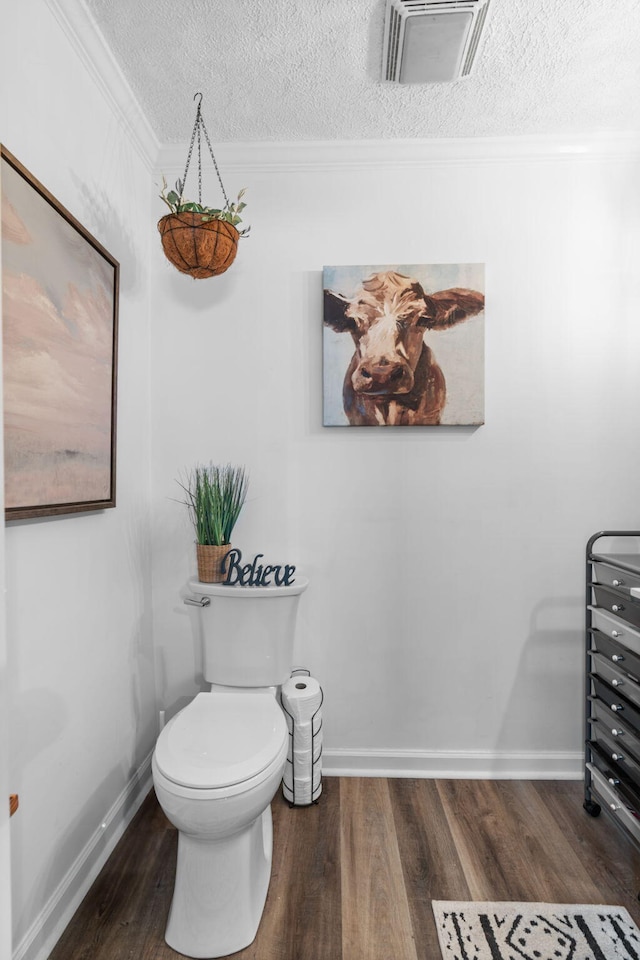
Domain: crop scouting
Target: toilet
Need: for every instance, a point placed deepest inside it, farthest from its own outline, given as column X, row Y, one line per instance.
column 219, row 762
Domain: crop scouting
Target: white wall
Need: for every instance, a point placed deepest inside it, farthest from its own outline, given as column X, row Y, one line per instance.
column 445, row 612
column 83, row 715
column 5, row 782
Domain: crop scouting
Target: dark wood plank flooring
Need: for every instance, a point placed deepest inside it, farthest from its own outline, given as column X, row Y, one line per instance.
column 353, row 877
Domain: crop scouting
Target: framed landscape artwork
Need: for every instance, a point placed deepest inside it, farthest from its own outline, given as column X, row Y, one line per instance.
column 60, row 334
column 403, row 345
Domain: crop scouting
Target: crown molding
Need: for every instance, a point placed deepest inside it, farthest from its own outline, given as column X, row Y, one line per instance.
column 306, row 155
column 344, row 154
column 93, row 51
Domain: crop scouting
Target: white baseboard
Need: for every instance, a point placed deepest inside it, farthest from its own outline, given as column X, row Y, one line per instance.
column 49, row 925
column 432, row 764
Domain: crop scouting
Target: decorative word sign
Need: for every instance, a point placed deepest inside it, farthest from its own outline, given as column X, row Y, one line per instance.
column 255, row 574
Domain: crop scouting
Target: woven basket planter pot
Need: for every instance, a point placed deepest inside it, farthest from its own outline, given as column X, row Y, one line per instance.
column 210, row 557
column 198, row 246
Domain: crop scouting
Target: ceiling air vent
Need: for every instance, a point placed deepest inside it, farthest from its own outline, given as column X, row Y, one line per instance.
column 432, row 41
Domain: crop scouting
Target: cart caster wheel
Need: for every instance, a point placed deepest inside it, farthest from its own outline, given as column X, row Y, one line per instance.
column 592, row 808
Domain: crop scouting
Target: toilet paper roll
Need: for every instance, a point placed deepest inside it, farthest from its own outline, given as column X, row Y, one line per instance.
column 303, row 769
column 301, row 696
column 315, row 723
column 311, row 772
column 301, row 798
column 291, row 778
column 301, row 702
column 301, row 757
column 303, row 739
column 302, row 790
column 288, row 795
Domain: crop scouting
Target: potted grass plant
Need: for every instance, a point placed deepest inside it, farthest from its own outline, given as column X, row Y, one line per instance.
column 215, row 496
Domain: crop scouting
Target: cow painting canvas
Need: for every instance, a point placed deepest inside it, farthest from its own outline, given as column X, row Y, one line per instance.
column 404, row 345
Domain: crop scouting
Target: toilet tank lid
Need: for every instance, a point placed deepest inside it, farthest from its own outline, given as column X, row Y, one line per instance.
column 299, row 585
column 221, row 739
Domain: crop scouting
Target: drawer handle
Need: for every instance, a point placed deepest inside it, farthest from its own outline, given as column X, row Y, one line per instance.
column 617, row 657
column 614, row 781
column 617, row 707
column 617, row 633
column 617, row 607
column 617, row 583
column 617, row 733
column 617, row 756
column 617, row 683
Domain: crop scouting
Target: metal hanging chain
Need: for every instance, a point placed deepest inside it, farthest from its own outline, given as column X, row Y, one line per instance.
column 197, row 128
column 199, row 165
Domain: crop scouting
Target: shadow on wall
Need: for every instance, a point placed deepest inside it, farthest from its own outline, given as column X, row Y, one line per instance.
column 99, row 216
column 548, row 681
column 165, row 658
column 81, row 835
column 203, row 296
column 31, row 736
column 141, row 647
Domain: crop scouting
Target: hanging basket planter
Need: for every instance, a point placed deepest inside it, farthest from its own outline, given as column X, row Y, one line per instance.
column 198, row 246
column 198, row 240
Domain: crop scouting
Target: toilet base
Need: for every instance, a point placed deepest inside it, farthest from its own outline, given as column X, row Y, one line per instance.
column 220, row 891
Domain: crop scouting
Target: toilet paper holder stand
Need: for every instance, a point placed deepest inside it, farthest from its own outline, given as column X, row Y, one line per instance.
column 314, row 733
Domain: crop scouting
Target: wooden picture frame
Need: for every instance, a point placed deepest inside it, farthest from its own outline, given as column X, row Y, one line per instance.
column 60, row 337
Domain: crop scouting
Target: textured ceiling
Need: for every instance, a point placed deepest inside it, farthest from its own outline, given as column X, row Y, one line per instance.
column 310, row 70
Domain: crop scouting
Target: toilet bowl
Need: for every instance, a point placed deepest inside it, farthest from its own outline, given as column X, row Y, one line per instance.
column 216, row 767
column 218, row 763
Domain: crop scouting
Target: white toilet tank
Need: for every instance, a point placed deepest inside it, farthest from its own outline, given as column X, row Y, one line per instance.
column 248, row 632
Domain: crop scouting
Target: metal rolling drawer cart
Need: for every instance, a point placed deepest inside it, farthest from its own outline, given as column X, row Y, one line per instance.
column 612, row 716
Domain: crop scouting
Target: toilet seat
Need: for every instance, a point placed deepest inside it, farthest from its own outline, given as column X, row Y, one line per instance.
column 221, row 740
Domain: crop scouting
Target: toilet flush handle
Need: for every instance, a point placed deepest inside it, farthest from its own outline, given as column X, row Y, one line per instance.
column 202, row 602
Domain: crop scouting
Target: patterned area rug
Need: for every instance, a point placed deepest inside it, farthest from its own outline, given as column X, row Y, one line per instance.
column 535, row 931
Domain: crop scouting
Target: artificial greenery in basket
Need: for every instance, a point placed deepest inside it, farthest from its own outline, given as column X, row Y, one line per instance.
column 215, row 496
column 230, row 212
column 200, row 241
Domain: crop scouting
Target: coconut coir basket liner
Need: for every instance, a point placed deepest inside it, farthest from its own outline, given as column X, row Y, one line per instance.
column 201, row 249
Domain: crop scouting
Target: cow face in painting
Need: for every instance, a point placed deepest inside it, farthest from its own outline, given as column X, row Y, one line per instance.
column 393, row 378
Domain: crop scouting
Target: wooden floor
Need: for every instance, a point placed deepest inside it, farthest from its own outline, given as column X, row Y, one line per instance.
column 353, row 877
